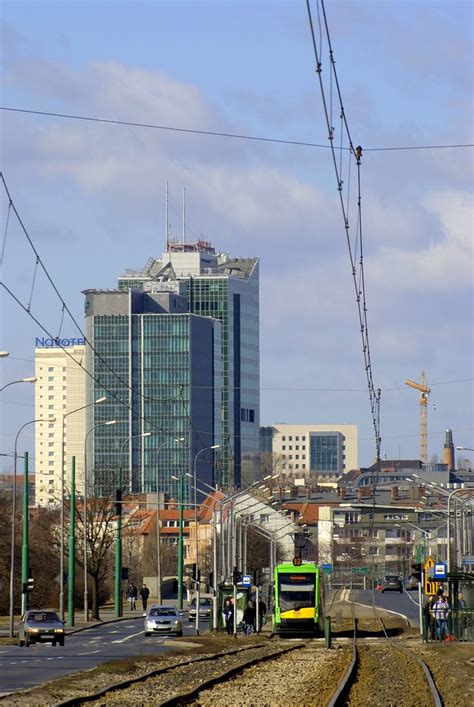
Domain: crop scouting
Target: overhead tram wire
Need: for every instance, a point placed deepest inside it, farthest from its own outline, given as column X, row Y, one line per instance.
column 357, row 276
column 27, row 309
column 108, row 368
column 226, row 135
column 103, row 387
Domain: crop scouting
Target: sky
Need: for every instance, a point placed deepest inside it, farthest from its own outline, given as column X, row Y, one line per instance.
column 91, row 194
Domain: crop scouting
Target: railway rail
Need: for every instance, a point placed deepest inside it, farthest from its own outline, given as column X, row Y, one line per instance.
column 192, row 676
column 368, row 669
column 384, row 673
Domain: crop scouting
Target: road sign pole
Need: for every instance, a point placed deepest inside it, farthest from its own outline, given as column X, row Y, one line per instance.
column 420, row 606
column 72, row 546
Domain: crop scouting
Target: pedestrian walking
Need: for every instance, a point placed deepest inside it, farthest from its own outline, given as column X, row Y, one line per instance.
column 440, row 613
column 463, row 618
column 248, row 619
column 144, row 593
column 262, row 613
column 229, row 616
column 132, row 594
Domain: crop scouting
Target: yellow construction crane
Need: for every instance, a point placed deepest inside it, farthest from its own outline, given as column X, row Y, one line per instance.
column 425, row 391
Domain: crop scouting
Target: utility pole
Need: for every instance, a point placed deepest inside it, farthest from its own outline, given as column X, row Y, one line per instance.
column 24, row 547
column 180, row 542
column 118, row 553
column 72, row 546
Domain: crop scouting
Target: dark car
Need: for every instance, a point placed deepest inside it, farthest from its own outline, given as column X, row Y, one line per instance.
column 39, row 626
column 163, row 619
column 391, row 583
column 205, row 609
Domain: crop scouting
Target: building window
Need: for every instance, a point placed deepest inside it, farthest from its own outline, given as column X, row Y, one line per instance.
column 264, row 518
column 283, row 448
column 283, row 439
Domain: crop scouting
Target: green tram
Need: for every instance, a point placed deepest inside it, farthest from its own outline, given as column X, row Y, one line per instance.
column 298, row 594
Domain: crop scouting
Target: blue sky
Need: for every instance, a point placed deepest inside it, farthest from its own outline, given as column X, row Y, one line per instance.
column 92, row 196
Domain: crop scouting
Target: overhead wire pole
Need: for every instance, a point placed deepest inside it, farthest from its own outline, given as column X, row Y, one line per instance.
column 357, row 276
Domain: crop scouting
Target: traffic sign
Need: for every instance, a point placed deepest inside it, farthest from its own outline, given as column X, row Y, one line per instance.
column 430, row 587
column 246, row 580
column 327, row 568
column 439, row 570
column 467, row 560
column 360, row 570
column 429, row 567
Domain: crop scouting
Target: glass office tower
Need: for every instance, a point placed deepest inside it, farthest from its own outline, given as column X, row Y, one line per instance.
column 160, row 367
column 225, row 289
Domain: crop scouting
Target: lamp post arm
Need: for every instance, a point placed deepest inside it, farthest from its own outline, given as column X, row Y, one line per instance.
column 451, row 495
column 13, row 526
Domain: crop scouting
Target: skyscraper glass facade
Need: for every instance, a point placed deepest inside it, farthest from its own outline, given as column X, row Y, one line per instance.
column 226, row 290
column 162, row 372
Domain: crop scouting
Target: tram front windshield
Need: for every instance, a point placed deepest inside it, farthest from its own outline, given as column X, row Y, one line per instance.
column 296, row 591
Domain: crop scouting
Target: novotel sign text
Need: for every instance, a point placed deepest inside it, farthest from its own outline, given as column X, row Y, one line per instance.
column 41, row 342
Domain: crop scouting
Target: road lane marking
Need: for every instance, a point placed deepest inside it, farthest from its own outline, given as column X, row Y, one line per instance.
column 132, row 635
column 411, row 599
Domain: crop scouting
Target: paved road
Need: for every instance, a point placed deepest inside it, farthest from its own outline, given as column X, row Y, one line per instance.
column 406, row 603
column 26, row 667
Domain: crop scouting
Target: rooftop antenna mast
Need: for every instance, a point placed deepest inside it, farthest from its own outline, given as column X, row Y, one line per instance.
column 166, row 219
column 184, row 214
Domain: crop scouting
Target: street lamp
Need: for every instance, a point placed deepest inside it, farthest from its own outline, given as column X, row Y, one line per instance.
column 86, row 598
column 201, row 451
column 118, row 536
column 198, row 588
column 30, row 379
column 61, row 552
column 13, row 523
column 158, row 552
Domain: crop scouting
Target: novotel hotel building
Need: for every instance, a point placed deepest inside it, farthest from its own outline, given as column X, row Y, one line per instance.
column 60, row 392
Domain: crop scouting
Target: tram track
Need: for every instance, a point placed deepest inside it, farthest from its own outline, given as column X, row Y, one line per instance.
column 160, row 686
column 384, row 673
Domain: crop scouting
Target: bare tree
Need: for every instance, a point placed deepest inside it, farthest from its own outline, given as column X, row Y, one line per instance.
column 101, row 529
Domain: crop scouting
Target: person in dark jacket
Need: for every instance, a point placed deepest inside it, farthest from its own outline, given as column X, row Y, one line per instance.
column 229, row 616
column 248, row 618
column 132, row 594
column 144, row 593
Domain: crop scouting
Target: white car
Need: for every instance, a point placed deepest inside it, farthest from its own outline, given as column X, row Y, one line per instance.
column 163, row 619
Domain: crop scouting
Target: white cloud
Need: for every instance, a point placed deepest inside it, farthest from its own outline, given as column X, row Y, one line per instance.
column 443, row 263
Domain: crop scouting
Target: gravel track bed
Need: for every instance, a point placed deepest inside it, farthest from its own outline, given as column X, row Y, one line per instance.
column 387, row 676
column 75, row 685
column 452, row 668
column 305, row 678
column 183, row 678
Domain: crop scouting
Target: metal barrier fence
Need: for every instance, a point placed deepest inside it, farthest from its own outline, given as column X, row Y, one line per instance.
column 458, row 627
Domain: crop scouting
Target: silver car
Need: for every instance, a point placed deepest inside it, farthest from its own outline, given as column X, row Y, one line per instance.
column 205, row 609
column 163, row 619
column 39, row 626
